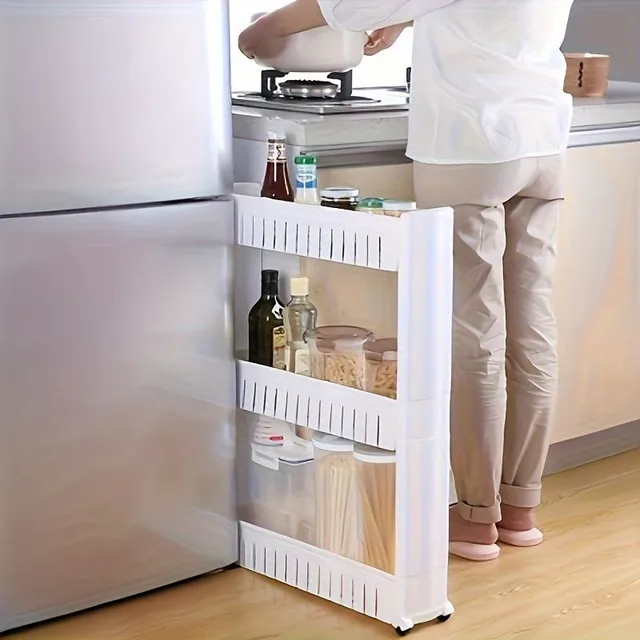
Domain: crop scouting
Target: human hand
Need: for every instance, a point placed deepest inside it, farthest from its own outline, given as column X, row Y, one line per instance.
column 258, row 41
column 382, row 39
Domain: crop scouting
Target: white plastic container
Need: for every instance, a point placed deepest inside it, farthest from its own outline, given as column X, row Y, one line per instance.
column 375, row 473
column 336, row 524
column 397, row 208
column 282, row 486
column 321, row 50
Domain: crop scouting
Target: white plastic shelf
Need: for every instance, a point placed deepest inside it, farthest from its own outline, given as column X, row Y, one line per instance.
column 339, row 580
column 350, row 237
column 316, row 404
column 318, row 572
column 419, row 246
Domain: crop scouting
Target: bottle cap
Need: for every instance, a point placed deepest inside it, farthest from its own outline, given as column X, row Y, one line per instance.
column 299, row 286
column 336, row 193
column 329, row 442
column 371, row 203
column 398, row 205
column 305, row 159
column 273, row 135
column 270, row 276
column 373, row 455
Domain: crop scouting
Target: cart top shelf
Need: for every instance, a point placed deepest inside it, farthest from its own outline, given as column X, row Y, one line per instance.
column 349, row 237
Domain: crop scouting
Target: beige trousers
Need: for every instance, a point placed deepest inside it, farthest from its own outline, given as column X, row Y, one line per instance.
column 505, row 367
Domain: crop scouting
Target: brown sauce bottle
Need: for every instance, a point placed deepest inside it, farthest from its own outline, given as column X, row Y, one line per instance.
column 276, row 184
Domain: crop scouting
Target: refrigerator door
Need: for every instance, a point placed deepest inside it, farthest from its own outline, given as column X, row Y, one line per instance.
column 114, row 102
column 117, row 388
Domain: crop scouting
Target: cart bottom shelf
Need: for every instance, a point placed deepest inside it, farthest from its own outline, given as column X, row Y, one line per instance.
column 401, row 602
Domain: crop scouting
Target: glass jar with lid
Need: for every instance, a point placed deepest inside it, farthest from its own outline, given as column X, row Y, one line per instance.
column 396, row 208
column 337, row 354
column 340, row 198
column 381, row 367
column 371, row 205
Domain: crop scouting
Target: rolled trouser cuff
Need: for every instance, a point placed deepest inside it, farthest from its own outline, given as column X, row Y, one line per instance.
column 480, row 515
column 523, row 497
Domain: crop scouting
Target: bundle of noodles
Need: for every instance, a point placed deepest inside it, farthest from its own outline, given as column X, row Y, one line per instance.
column 376, row 485
column 336, row 528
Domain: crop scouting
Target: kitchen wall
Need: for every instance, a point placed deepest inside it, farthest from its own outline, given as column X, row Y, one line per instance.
column 608, row 26
column 387, row 68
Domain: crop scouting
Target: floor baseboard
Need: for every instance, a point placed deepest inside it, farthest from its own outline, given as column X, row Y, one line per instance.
column 595, row 446
column 579, row 451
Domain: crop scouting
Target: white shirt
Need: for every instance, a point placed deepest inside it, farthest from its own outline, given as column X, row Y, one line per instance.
column 487, row 77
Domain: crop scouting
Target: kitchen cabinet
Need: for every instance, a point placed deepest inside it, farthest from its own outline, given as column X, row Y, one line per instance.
column 597, row 291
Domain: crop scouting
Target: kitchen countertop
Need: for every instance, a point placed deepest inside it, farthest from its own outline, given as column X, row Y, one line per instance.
column 619, row 109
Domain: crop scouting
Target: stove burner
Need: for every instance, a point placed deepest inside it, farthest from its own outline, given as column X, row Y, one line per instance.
column 306, row 89
column 309, row 89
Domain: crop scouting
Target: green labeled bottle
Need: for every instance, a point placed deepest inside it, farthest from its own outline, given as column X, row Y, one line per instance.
column 267, row 336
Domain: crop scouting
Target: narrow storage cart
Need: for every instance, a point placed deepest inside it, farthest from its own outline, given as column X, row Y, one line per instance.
column 400, row 447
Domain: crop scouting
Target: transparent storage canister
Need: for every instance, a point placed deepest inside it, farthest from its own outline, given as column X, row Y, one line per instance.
column 375, row 471
column 337, row 354
column 336, row 512
column 282, row 487
column 381, row 367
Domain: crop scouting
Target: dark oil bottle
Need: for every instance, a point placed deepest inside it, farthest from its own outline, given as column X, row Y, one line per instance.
column 276, row 184
column 267, row 337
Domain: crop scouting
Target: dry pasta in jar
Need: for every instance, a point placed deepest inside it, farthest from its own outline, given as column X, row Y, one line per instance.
column 337, row 354
column 381, row 367
column 336, row 500
column 375, row 471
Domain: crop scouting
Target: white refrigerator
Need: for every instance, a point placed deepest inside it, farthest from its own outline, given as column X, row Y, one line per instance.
column 117, row 378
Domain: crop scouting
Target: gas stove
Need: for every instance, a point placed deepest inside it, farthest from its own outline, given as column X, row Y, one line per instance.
column 331, row 96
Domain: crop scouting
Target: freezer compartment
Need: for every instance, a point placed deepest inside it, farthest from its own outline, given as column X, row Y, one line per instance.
column 113, row 103
column 117, row 388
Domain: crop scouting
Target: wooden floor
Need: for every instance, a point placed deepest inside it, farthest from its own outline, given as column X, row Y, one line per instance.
column 583, row 583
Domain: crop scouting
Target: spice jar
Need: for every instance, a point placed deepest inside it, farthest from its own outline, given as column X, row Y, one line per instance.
column 395, row 208
column 336, row 504
column 371, row 205
column 375, row 477
column 337, row 354
column 340, row 198
column 381, row 367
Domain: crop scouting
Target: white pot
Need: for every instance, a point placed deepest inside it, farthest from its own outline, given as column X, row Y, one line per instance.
column 320, row 50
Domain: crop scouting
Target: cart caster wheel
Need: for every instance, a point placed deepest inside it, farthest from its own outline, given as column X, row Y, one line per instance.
column 402, row 632
column 444, row 618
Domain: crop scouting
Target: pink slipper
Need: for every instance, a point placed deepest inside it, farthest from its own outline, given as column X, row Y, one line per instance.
column 529, row 538
column 474, row 551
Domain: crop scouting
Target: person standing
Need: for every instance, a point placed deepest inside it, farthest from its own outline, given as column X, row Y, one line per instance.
column 488, row 129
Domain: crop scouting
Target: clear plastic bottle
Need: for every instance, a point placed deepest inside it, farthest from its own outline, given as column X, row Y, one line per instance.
column 306, row 179
column 300, row 315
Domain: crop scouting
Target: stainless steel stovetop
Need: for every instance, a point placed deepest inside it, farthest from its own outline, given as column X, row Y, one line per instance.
column 389, row 99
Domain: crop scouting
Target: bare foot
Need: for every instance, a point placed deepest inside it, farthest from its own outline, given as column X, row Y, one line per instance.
column 517, row 518
column 461, row 530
